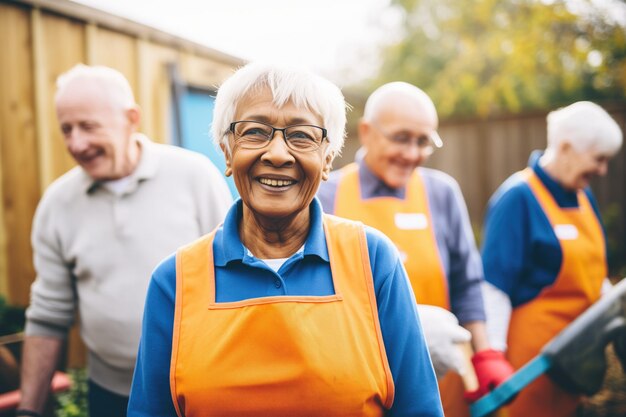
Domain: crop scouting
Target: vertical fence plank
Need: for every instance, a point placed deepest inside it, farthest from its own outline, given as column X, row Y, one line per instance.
column 19, row 165
column 62, row 46
column 42, row 127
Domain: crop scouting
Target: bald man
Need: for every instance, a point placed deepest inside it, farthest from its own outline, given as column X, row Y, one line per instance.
column 101, row 229
column 423, row 212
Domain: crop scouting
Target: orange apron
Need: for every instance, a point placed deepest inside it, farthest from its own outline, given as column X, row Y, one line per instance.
column 576, row 287
column 283, row 355
column 408, row 224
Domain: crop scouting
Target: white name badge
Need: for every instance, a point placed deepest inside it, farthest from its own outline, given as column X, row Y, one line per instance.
column 411, row 221
column 566, row 231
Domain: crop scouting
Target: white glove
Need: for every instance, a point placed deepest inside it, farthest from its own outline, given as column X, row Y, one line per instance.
column 443, row 334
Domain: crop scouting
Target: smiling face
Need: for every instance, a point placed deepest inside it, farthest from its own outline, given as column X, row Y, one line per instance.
column 97, row 130
column 276, row 182
column 580, row 167
column 399, row 115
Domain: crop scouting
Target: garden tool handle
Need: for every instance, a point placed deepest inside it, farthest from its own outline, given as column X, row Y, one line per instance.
column 470, row 381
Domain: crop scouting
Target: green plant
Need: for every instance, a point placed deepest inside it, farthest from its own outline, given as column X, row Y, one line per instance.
column 73, row 403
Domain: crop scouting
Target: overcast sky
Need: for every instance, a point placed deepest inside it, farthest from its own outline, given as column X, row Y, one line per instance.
column 337, row 38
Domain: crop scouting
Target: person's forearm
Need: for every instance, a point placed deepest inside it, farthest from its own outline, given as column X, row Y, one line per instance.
column 39, row 360
column 480, row 341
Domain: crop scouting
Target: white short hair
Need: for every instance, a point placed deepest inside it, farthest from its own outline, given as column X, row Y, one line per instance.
column 586, row 126
column 114, row 81
column 286, row 83
column 379, row 99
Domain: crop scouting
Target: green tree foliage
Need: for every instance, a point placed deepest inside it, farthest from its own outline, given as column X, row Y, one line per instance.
column 73, row 403
column 479, row 57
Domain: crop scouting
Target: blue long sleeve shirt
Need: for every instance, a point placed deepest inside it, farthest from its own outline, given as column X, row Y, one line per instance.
column 521, row 254
column 239, row 276
column 451, row 225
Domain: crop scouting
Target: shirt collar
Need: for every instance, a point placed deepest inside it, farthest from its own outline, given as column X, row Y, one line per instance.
column 146, row 168
column 229, row 247
column 563, row 196
column 372, row 186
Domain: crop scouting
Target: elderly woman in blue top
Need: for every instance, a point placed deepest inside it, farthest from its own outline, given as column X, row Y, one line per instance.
column 282, row 311
column 544, row 249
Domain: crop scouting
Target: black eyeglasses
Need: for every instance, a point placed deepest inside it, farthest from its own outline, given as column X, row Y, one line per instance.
column 404, row 139
column 250, row 134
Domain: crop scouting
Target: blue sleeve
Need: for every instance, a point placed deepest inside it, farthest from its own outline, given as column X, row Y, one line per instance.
column 465, row 273
column 150, row 393
column 506, row 248
column 416, row 390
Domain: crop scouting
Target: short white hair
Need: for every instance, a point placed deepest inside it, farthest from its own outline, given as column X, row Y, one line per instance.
column 114, row 82
column 586, row 126
column 286, row 83
column 377, row 101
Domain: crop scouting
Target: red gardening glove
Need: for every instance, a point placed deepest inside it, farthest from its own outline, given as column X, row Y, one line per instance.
column 491, row 369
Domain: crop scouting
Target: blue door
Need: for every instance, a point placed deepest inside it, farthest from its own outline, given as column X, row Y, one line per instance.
column 196, row 115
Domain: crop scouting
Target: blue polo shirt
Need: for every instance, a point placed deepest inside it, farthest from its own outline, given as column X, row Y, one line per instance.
column 451, row 225
column 521, row 254
column 239, row 276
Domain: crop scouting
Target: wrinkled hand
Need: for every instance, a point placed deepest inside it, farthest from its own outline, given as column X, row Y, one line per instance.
column 492, row 369
column 443, row 333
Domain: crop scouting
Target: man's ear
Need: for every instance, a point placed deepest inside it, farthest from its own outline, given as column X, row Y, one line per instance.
column 134, row 115
column 565, row 145
column 228, row 171
column 328, row 165
column 364, row 131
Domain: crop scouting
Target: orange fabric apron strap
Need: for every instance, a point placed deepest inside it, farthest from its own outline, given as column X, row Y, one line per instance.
column 280, row 356
column 408, row 224
column 576, row 287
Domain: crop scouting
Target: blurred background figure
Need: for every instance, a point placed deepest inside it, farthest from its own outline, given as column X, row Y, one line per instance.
column 544, row 248
column 282, row 310
column 423, row 212
column 100, row 229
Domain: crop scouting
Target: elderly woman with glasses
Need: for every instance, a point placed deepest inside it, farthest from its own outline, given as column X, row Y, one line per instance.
column 282, row 310
column 544, row 250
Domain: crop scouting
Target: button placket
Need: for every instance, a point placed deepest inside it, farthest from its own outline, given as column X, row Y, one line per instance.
column 279, row 283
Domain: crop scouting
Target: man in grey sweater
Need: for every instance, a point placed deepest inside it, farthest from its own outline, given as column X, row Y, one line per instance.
column 100, row 229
